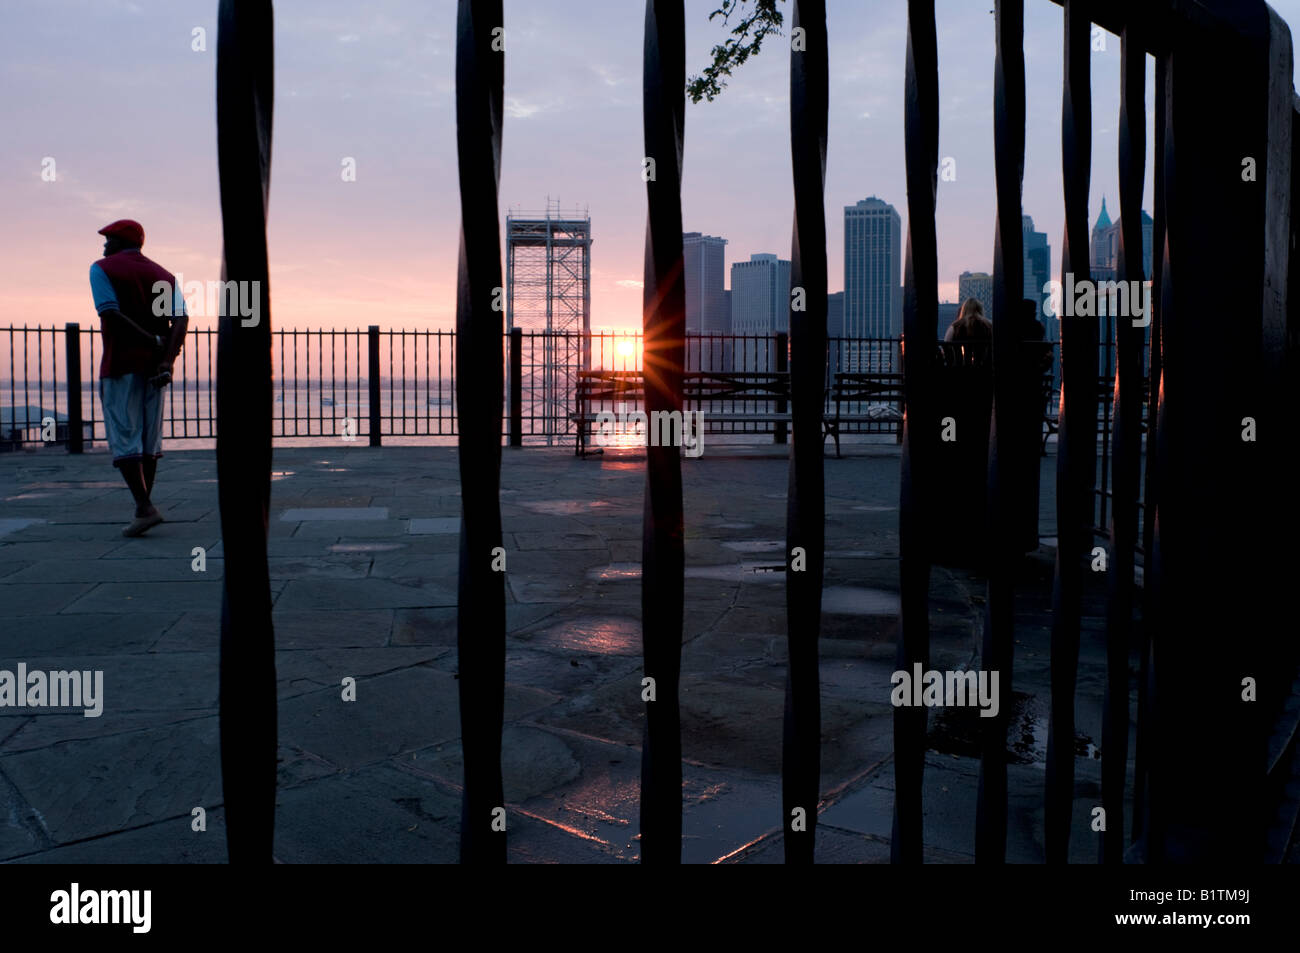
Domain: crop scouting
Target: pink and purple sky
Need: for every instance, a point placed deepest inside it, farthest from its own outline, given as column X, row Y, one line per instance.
column 113, row 91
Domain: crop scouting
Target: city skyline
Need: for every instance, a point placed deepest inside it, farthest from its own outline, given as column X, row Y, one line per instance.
column 706, row 253
column 375, row 85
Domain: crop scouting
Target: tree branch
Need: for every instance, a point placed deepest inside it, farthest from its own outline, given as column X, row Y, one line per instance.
column 746, row 40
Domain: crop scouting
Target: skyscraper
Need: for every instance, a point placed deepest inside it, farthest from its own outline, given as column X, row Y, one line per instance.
column 977, row 285
column 1105, row 267
column 873, row 241
column 1037, row 264
column 834, row 327
column 1105, row 247
column 704, row 259
column 872, row 256
column 760, row 305
column 760, row 295
column 1099, row 240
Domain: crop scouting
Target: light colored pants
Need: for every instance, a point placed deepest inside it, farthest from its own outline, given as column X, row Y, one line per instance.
column 132, row 417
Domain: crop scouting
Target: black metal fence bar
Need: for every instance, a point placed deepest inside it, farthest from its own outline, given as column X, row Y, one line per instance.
column 664, row 318
column 373, row 379
column 921, row 422
column 481, row 598
column 1126, row 462
column 516, row 387
column 1210, row 127
column 806, row 495
column 1004, row 452
column 1076, row 447
column 75, row 432
column 245, row 86
column 1150, row 489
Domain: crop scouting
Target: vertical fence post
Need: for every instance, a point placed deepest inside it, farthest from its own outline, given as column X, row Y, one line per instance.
column 1127, row 460
column 1151, row 496
column 664, row 320
column 245, row 95
column 1006, row 442
column 782, row 366
column 517, row 383
column 481, row 595
column 1077, row 434
column 73, row 344
column 1215, row 607
column 373, row 380
column 920, row 427
column 806, row 494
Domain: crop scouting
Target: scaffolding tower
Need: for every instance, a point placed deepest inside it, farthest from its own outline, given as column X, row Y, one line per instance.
column 548, row 295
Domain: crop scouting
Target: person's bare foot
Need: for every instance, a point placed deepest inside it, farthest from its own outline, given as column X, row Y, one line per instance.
column 143, row 522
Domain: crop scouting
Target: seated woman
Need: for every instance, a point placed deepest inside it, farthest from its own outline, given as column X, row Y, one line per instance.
column 971, row 325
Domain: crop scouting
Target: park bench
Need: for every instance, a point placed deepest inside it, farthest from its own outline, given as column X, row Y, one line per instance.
column 752, row 397
column 1105, row 395
column 881, row 392
column 853, row 397
column 606, row 390
column 766, row 392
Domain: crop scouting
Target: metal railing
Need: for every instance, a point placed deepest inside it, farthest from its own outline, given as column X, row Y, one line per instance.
column 375, row 384
column 325, row 384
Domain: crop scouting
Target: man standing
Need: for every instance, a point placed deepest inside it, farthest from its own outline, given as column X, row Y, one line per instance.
column 143, row 324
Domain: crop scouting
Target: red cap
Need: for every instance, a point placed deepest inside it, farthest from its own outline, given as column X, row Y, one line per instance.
column 129, row 231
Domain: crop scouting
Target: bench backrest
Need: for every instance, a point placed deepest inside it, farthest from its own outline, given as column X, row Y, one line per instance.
column 705, row 386
column 610, row 387
column 853, row 386
column 698, row 387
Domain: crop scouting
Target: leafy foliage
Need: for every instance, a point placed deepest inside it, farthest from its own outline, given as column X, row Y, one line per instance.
column 746, row 39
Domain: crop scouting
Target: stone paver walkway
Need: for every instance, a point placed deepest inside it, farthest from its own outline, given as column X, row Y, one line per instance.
column 363, row 559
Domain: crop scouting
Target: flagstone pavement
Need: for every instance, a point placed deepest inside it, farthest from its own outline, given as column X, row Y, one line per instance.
column 363, row 552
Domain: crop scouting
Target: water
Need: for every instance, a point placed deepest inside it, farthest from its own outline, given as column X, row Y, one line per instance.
column 312, row 410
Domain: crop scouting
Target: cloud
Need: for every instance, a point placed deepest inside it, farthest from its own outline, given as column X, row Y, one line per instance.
column 608, row 76
column 518, row 109
column 629, row 283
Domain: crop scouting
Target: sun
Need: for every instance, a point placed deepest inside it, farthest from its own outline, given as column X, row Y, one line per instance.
column 626, row 348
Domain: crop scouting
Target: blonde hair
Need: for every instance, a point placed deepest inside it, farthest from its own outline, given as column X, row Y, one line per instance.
column 971, row 309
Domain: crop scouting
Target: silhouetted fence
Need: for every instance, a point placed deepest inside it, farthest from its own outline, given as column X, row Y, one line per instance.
column 324, row 384
column 1212, row 735
column 1212, row 486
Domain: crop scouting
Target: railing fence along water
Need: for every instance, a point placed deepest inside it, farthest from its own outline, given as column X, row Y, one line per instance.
column 378, row 384
column 1213, row 669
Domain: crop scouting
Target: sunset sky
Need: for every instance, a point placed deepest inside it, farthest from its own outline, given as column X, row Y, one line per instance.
column 114, row 93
